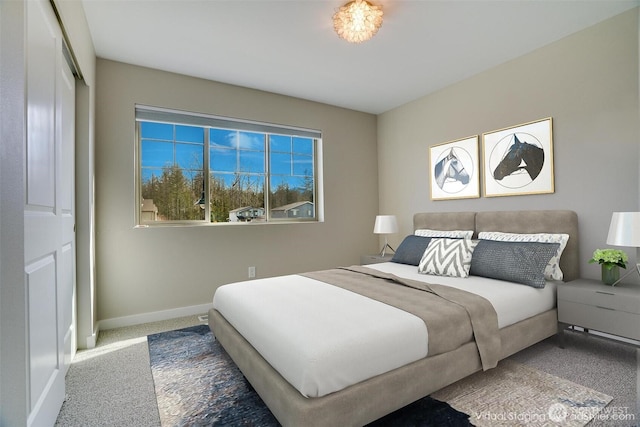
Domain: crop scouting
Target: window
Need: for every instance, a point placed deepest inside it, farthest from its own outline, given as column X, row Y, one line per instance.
column 212, row 169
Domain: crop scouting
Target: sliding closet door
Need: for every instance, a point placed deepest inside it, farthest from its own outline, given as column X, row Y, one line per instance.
column 65, row 132
column 48, row 214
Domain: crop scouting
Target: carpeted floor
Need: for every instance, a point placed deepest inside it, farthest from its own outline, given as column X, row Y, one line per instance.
column 196, row 383
column 605, row 365
column 112, row 384
column 516, row 394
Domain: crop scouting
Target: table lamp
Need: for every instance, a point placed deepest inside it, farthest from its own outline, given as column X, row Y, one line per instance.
column 625, row 231
column 385, row 224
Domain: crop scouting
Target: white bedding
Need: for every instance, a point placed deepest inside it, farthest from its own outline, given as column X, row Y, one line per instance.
column 322, row 338
column 512, row 302
column 319, row 337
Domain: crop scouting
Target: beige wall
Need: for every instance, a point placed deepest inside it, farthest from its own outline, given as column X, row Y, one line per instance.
column 157, row 269
column 588, row 84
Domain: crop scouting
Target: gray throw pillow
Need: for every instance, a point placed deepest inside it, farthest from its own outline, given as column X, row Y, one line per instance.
column 519, row 262
column 411, row 249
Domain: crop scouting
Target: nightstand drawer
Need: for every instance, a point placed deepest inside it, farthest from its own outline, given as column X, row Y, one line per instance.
column 617, row 298
column 600, row 318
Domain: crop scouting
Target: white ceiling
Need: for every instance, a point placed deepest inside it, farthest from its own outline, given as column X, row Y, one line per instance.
column 289, row 46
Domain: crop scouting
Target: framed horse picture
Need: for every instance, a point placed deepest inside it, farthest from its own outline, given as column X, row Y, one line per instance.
column 453, row 169
column 519, row 160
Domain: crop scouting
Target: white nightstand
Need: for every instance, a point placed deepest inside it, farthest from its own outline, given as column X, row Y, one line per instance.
column 375, row 259
column 590, row 304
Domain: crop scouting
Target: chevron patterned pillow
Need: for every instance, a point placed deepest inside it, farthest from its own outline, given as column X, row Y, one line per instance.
column 447, row 257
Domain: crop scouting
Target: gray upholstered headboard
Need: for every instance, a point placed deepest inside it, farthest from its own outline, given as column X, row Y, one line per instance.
column 548, row 221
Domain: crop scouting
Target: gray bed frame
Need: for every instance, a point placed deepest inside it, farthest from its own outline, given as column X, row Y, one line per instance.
column 369, row 400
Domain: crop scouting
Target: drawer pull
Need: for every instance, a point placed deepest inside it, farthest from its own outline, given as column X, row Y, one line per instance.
column 605, row 308
column 604, row 293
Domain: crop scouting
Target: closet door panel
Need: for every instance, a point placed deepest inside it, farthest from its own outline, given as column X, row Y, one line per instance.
column 48, row 213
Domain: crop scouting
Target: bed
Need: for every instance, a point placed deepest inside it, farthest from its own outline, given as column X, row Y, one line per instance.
column 373, row 397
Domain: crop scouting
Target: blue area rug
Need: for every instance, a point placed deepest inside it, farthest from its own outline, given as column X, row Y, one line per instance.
column 197, row 384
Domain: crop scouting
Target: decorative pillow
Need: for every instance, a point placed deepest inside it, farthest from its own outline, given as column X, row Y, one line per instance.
column 411, row 249
column 552, row 271
column 447, row 257
column 451, row 234
column 519, row 262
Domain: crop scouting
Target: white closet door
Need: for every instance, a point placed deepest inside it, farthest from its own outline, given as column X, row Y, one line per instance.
column 49, row 213
column 66, row 122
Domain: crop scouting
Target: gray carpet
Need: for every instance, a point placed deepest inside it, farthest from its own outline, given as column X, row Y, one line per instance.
column 610, row 367
column 112, row 385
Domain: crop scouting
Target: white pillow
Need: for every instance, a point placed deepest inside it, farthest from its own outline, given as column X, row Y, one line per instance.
column 448, row 257
column 552, row 271
column 452, row 234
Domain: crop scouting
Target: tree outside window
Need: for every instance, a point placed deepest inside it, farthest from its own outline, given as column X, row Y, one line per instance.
column 252, row 176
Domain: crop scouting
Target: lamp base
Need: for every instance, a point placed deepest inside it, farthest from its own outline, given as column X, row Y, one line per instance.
column 628, row 273
column 384, row 249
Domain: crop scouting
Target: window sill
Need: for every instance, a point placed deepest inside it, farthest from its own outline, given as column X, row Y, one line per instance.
column 221, row 224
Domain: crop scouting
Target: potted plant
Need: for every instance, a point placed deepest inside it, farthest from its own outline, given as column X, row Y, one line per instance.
column 611, row 260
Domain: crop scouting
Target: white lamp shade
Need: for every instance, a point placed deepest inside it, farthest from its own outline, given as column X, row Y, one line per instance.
column 385, row 224
column 624, row 229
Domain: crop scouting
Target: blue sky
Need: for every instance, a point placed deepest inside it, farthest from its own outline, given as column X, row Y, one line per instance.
column 230, row 151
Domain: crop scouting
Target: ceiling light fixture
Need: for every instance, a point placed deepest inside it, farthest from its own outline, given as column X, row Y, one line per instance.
column 357, row 21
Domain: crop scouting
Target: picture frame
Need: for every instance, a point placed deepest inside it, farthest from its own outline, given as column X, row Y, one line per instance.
column 454, row 169
column 518, row 160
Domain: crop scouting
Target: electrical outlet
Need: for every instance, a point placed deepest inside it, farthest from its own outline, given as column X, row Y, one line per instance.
column 252, row 272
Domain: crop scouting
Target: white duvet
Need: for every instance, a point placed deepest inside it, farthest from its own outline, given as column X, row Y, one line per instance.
column 322, row 338
column 512, row 302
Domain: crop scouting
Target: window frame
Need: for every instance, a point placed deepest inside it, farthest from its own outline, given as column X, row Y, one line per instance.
column 208, row 122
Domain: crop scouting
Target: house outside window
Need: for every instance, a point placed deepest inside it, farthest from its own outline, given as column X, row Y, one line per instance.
column 195, row 168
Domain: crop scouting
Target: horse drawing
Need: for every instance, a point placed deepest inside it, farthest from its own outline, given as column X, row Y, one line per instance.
column 450, row 167
column 520, row 156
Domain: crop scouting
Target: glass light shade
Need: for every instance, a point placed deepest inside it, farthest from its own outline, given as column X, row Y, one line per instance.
column 385, row 224
column 624, row 229
column 357, row 21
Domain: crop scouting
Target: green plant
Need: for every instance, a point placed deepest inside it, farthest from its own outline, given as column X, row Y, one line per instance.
column 609, row 258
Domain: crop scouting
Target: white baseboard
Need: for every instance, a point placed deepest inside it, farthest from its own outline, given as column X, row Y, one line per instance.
column 155, row 316
column 93, row 338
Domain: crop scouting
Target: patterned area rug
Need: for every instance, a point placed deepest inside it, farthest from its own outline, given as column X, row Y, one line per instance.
column 197, row 384
column 515, row 394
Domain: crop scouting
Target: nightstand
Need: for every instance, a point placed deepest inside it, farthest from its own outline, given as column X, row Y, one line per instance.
column 590, row 304
column 375, row 259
